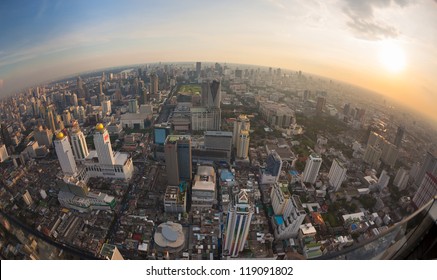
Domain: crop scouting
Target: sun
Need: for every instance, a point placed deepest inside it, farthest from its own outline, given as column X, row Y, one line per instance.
column 392, row 57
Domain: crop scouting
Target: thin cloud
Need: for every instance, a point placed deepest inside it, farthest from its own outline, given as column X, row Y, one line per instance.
column 363, row 22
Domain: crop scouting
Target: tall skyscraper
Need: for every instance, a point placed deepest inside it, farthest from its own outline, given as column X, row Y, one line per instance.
column 50, row 118
column 401, row 179
column 65, row 155
column 372, row 155
column 66, row 118
column 429, row 165
column 133, row 106
column 154, row 84
column 198, row 68
column 312, row 168
column 160, row 133
column 337, row 174
column 241, row 123
column 211, row 94
column 273, row 165
column 106, row 107
column 321, row 102
column 399, row 136
column 78, row 142
column 178, row 161
column 243, row 144
column 103, row 145
column 238, row 224
column 427, row 190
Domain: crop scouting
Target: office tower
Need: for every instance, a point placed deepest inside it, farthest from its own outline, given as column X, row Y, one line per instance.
column 243, row 144
column 160, row 133
column 220, row 141
column 198, row 68
column 273, row 166
column 383, row 180
column 133, row 106
column 66, row 117
column 78, row 143
column 50, row 118
column 106, row 107
column 211, row 94
column 321, row 102
column 103, row 145
column 65, row 155
column 59, row 122
column 427, row 190
column 372, row 155
column 241, row 123
column 3, row 153
column 154, row 83
column 429, row 165
column 389, row 154
column 337, row 174
column 289, row 213
column 43, row 136
column 312, row 168
column 178, row 161
column 238, row 224
column 5, row 135
column 399, row 136
column 80, row 88
column 401, row 179
column 74, row 100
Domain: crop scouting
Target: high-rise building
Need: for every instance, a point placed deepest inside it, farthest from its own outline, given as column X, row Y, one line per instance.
column 5, row 135
column 270, row 174
column 211, row 94
column 238, row 224
column 427, row 190
column 78, row 143
column 337, row 174
column 43, row 136
column 203, row 194
column 390, row 154
column 219, row 141
column 429, row 165
column 154, row 83
column 383, row 180
column 65, row 155
column 241, row 123
column 372, row 155
column 66, row 117
column 321, row 102
column 106, row 107
column 289, row 213
column 160, row 133
column 399, row 136
column 133, row 106
column 243, row 144
column 178, row 158
column 312, row 168
column 198, row 68
column 103, row 145
column 50, row 118
column 401, row 179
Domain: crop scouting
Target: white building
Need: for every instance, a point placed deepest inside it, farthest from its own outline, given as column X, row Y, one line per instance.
column 312, row 168
column 401, row 179
column 383, row 180
column 78, row 143
column 289, row 213
column 103, row 146
column 337, row 174
column 241, row 123
column 65, row 155
column 243, row 144
column 106, row 107
column 238, row 224
column 203, row 190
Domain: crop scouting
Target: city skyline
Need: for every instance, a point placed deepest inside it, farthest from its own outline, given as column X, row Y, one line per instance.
column 388, row 47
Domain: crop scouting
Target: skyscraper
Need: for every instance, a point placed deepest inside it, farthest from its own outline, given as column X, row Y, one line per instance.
column 211, row 94
column 106, row 107
column 178, row 161
column 80, row 149
column 5, row 136
column 238, row 224
column 273, row 165
column 65, row 155
column 321, row 102
column 133, row 106
column 337, row 174
column 399, row 136
column 241, row 123
column 429, row 165
column 198, row 68
column 372, row 155
column 243, row 144
column 50, row 118
column 103, row 145
column 401, row 179
column 154, row 84
column 43, row 136
column 312, row 168
column 427, row 190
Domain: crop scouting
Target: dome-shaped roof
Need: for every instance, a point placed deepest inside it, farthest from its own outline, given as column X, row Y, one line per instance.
column 60, row 135
column 100, row 126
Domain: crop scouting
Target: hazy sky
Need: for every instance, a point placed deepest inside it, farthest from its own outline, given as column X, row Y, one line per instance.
column 389, row 46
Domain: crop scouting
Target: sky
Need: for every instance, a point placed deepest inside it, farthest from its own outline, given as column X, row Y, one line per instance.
column 388, row 46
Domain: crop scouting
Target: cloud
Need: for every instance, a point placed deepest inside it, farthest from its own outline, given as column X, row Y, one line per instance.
column 363, row 22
